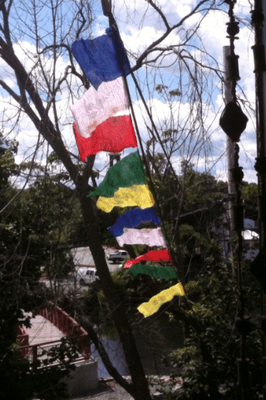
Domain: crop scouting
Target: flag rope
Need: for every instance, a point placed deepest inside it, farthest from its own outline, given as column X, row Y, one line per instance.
column 158, row 208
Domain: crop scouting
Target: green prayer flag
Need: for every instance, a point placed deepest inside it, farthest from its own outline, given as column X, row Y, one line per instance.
column 157, row 272
column 124, row 173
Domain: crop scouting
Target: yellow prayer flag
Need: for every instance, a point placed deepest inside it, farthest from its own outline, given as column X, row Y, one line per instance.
column 135, row 195
column 155, row 302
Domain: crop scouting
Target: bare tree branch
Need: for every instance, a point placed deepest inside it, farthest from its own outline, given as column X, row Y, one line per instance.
column 151, row 47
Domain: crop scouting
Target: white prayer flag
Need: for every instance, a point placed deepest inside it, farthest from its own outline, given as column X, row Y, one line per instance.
column 150, row 237
column 98, row 105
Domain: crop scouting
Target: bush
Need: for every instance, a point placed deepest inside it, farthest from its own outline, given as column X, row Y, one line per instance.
column 208, row 361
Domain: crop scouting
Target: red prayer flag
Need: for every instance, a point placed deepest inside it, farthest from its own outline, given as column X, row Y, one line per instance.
column 113, row 135
column 153, row 255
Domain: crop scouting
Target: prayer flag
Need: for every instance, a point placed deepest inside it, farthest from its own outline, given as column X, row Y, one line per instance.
column 135, row 195
column 155, row 302
column 113, row 135
column 153, row 255
column 124, row 173
column 149, row 237
column 133, row 218
column 102, row 59
column 157, row 272
column 96, row 106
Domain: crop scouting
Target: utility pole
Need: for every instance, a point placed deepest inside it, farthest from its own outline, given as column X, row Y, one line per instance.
column 258, row 22
column 229, row 153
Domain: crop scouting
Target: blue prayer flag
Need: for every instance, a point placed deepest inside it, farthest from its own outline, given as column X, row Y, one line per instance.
column 133, row 218
column 102, row 59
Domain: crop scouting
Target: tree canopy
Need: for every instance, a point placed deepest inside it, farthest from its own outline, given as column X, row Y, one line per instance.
column 40, row 80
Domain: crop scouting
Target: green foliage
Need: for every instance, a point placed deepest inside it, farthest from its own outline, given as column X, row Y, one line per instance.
column 200, row 188
column 207, row 362
column 197, row 204
column 8, row 149
column 21, row 379
column 160, row 88
column 250, row 197
column 46, row 212
column 175, row 92
column 200, row 249
column 33, row 230
column 250, row 193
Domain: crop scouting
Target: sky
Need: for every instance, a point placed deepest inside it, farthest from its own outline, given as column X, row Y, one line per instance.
column 139, row 26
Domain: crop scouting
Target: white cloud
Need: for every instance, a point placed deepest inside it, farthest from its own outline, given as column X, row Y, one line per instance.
column 140, row 25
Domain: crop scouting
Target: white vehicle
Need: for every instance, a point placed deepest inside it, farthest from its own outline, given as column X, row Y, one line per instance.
column 118, row 256
column 85, row 275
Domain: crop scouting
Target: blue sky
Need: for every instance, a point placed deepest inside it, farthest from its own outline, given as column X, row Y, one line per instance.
column 139, row 26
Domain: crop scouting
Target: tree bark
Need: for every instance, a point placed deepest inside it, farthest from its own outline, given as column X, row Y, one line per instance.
column 140, row 389
column 106, row 360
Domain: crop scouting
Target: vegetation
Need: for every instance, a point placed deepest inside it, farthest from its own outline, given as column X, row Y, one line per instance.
column 27, row 234
column 45, row 207
column 207, row 362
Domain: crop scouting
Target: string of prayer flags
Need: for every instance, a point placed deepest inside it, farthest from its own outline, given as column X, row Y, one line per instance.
column 153, row 255
column 96, row 106
column 105, row 63
column 149, row 237
column 155, row 302
column 134, row 218
column 113, row 135
column 102, row 59
column 156, row 272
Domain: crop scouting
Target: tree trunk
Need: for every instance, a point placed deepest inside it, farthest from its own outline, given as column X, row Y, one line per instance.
column 139, row 381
